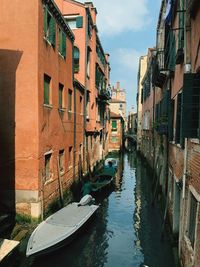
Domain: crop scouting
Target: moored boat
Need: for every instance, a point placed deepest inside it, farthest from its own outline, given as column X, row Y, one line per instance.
column 60, row 228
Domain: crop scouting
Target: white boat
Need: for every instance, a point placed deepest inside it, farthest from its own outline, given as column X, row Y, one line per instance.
column 59, row 229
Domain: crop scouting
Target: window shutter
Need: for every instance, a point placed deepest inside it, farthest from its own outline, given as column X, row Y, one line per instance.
column 171, row 120
column 63, row 44
column 52, row 31
column 191, row 106
column 79, row 22
column 46, row 90
column 114, row 124
column 178, row 118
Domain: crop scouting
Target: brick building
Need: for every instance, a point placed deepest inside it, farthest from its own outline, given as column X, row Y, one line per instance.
column 175, row 80
column 37, row 134
column 116, row 132
column 92, row 71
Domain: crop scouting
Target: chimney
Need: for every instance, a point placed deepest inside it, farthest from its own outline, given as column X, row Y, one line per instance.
column 118, row 85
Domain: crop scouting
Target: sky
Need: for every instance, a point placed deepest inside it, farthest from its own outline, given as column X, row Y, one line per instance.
column 127, row 28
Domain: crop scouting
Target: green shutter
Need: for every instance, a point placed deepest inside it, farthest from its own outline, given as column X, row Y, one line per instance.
column 114, row 124
column 60, row 96
column 60, row 41
column 171, row 120
column 181, row 25
column 79, row 22
column 63, row 44
column 52, row 31
column 178, row 118
column 45, row 20
column 46, row 89
column 191, row 106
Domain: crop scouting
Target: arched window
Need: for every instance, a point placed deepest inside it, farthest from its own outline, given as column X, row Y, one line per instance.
column 76, row 59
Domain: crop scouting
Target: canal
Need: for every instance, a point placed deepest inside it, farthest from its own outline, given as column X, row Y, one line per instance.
column 126, row 231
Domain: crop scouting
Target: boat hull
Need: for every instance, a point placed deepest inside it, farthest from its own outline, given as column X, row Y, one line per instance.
column 59, row 229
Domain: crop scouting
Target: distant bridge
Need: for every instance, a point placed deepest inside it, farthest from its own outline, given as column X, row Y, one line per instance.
column 131, row 137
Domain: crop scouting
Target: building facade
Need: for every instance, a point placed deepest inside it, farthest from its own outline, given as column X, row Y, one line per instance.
column 175, row 83
column 41, row 123
column 57, row 93
column 92, row 71
column 116, row 132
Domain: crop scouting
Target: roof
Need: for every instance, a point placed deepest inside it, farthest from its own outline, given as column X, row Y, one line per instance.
column 115, row 115
column 117, row 101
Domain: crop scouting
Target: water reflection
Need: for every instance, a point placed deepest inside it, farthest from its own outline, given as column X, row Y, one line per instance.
column 125, row 231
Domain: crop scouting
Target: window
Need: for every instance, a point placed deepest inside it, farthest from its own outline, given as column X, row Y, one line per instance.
column 190, row 126
column 114, row 139
column 70, row 156
column 114, row 125
column 75, row 23
column 62, row 43
column 192, row 219
column 113, row 95
column 88, row 62
column 49, row 27
column 61, row 89
column 69, row 103
column 47, row 166
column 61, row 160
column 88, row 105
column 178, row 118
column 81, row 105
column 76, row 59
column 47, row 81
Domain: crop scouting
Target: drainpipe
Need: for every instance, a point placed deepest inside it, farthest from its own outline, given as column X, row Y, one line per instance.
column 187, row 69
column 185, row 167
column 75, row 114
column 85, row 98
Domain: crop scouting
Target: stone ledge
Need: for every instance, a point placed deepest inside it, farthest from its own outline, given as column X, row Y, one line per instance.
column 6, row 247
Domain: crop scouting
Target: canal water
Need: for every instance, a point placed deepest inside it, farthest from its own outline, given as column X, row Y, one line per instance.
column 126, row 231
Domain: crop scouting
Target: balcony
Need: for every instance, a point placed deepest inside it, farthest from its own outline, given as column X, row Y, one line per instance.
column 104, row 94
column 159, row 72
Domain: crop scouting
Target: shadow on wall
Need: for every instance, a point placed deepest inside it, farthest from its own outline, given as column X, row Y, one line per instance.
column 9, row 61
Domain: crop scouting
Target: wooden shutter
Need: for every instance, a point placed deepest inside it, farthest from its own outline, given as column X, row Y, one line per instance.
column 46, row 89
column 178, row 118
column 171, row 120
column 191, row 106
column 52, row 31
column 79, row 22
column 63, row 44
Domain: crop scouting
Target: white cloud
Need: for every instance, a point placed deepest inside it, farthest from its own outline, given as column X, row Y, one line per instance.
column 116, row 16
column 126, row 58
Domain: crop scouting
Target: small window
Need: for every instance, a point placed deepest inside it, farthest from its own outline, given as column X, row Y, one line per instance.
column 47, row 81
column 76, row 59
column 113, row 95
column 69, row 100
column 47, row 166
column 114, row 125
column 61, row 160
column 71, row 23
column 49, row 27
column 178, row 118
column 192, row 219
column 62, row 43
column 81, row 105
column 61, row 89
column 70, row 156
column 114, row 139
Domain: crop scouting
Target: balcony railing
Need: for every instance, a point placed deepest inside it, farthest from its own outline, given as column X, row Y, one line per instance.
column 159, row 70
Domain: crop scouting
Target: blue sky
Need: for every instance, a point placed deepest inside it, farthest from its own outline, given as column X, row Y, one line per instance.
column 126, row 29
